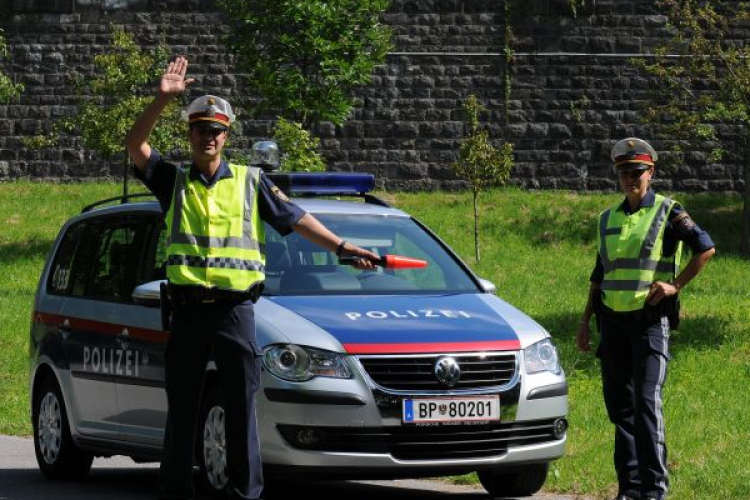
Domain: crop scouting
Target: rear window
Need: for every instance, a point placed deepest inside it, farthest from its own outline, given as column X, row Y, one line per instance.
column 294, row 266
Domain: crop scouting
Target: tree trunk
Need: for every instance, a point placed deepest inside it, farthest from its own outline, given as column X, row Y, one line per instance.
column 476, row 227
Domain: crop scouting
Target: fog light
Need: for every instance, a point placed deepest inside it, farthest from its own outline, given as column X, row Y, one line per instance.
column 308, row 437
column 559, row 428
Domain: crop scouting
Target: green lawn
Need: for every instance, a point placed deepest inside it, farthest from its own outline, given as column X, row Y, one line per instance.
column 538, row 248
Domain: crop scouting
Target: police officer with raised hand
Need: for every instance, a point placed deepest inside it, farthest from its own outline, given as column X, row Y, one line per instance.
column 215, row 268
column 634, row 292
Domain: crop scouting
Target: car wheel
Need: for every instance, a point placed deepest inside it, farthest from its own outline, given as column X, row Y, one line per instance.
column 514, row 483
column 211, row 444
column 56, row 453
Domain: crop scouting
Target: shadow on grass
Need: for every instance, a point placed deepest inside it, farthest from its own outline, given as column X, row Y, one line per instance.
column 701, row 333
column 695, row 333
column 15, row 251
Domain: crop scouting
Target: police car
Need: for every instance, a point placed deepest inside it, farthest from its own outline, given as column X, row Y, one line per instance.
column 366, row 374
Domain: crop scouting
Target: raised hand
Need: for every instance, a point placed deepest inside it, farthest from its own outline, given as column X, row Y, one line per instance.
column 173, row 82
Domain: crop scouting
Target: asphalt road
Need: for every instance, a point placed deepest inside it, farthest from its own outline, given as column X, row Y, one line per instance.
column 121, row 479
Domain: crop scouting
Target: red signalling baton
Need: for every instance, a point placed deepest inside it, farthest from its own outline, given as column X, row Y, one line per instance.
column 388, row 262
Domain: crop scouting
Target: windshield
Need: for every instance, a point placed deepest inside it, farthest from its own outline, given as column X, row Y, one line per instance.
column 295, row 266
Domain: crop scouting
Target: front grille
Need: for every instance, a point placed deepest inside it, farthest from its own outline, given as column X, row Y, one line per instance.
column 422, row 442
column 417, row 372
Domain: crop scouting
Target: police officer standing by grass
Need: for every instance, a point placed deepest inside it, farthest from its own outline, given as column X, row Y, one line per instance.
column 634, row 293
column 215, row 267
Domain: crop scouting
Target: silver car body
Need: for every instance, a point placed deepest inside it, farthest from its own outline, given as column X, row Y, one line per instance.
column 108, row 360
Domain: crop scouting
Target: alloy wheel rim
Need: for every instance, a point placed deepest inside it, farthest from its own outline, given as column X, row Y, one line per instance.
column 50, row 428
column 214, row 448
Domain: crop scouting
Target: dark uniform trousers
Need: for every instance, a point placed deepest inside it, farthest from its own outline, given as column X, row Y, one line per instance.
column 634, row 353
column 226, row 328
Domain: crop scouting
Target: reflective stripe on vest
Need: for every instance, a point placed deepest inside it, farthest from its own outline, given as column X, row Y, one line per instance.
column 215, row 234
column 630, row 249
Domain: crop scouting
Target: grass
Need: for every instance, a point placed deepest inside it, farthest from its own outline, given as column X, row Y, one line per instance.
column 538, row 248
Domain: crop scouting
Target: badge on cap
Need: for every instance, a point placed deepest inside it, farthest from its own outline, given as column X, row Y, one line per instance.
column 209, row 108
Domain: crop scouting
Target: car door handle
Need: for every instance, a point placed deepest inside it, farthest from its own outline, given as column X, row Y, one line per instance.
column 123, row 338
column 64, row 329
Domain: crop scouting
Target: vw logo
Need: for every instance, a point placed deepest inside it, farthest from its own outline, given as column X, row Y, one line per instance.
column 447, row 371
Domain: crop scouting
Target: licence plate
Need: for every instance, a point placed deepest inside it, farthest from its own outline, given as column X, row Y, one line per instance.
column 467, row 409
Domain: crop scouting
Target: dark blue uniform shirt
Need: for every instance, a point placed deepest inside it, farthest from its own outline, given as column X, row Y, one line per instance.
column 696, row 238
column 159, row 176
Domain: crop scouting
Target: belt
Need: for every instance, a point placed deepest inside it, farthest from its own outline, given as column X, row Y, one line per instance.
column 182, row 293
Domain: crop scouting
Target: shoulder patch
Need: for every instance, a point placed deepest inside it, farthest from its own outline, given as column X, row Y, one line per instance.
column 279, row 194
column 683, row 224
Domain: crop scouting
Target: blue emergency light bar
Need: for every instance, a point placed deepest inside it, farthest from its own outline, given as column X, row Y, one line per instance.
column 325, row 184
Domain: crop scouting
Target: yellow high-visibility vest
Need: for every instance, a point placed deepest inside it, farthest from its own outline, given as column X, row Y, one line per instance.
column 215, row 235
column 630, row 248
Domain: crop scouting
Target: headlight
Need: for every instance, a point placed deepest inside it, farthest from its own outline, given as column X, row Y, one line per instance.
column 297, row 363
column 542, row 356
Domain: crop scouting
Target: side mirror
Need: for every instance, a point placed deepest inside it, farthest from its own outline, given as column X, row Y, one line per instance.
column 148, row 294
column 487, row 286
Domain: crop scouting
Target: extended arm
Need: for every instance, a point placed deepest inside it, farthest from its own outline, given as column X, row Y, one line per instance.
column 312, row 229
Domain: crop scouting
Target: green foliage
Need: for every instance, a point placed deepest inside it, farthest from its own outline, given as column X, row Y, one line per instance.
column 108, row 104
column 575, row 5
column 299, row 150
column 8, row 89
column 706, row 87
column 304, row 57
column 578, row 108
column 479, row 162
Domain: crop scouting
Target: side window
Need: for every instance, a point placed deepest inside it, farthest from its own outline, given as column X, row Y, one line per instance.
column 81, row 270
column 60, row 273
column 114, row 263
column 155, row 261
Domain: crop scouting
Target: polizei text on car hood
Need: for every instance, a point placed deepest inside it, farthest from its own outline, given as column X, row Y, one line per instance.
column 409, row 323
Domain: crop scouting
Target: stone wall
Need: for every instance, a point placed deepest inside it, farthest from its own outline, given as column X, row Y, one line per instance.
column 572, row 95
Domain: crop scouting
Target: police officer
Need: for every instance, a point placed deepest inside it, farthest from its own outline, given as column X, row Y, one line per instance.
column 215, row 263
column 634, row 291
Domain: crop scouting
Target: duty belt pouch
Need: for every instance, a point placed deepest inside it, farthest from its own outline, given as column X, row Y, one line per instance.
column 166, row 306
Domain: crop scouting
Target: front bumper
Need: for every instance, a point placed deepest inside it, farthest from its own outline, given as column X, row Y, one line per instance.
column 346, row 428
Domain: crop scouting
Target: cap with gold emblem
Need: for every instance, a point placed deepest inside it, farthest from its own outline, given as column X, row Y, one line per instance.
column 213, row 111
column 633, row 154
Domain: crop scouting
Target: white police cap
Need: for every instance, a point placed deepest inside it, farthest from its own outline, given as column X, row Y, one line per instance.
column 209, row 109
column 633, row 153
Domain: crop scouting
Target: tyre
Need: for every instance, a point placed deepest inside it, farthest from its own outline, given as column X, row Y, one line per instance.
column 56, row 453
column 211, row 445
column 522, row 482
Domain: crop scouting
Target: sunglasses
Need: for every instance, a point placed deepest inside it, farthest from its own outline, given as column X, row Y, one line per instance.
column 631, row 174
column 214, row 132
